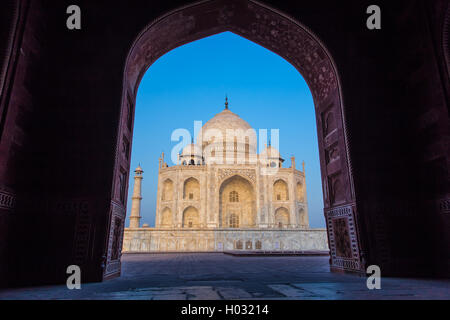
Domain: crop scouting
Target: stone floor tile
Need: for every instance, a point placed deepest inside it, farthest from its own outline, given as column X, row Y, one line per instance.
column 217, row 276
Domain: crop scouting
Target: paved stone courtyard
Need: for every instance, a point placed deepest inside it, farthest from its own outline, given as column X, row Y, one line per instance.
column 172, row 276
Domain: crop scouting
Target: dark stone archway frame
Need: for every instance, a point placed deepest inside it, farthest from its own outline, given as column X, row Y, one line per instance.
column 299, row 46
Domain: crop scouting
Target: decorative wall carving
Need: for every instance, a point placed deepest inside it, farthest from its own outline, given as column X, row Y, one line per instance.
column 177, row 27
column 191, row 217
column 332, row 154
column 219, row 240
column 242, row 203
column 115, row 249
column 166, row 217
column 343, row 241
column 247, row 173
column 262, row 25
column 7, row 200
column 444, row 205
column 125, row 148
column 337, row 190
column 112, row 268
column 280, row 191
column 191, row 189
column 329, row 123
column 342, row 238
column 167, row 191
column 296, row 45
column 115, row 240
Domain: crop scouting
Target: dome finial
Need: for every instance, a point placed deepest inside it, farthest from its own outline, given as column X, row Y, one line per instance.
column 226, row 102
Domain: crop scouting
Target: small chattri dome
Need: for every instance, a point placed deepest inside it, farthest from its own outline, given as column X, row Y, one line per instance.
column 270, row 153
column 139, row 169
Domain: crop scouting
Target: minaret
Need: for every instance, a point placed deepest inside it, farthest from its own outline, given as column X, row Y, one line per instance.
column 135, row 216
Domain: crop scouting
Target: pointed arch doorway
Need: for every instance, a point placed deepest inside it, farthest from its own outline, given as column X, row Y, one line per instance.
column 299, row 46
column 237, row 203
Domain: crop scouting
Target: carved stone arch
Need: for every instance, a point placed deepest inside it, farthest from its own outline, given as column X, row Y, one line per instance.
column 289, row 39
column 167, row 190
column 329, row 123
column 300, row 191
column 166, row 217
column 280, row 190
column 240, row 213
column 191, row 217
column 191, row 189
column 282, row 217
column 337, row 192
column 302, row 218
column 263, row 25
column 191, row 206
column 246, row 174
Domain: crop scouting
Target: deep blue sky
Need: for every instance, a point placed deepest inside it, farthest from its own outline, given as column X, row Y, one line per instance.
column 189, row 84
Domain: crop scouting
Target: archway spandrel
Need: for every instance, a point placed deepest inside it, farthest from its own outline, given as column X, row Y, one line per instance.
column 156, row 40
column 224, row 174
column 292, row 42
column 249, row 20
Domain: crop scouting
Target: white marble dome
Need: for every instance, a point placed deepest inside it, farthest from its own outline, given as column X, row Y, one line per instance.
column 227, row 134
column 226, row 120
column 216, row 129
column 192, row 150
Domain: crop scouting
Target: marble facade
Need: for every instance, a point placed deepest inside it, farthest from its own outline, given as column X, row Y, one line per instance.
column 221, row 195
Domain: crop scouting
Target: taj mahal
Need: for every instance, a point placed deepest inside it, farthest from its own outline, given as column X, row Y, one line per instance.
column 224, row 196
